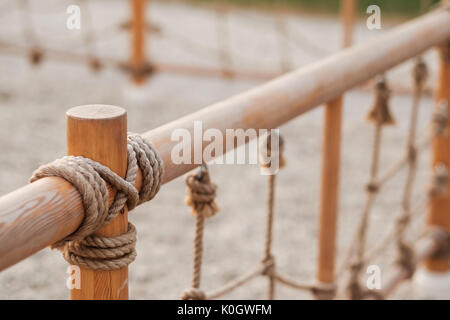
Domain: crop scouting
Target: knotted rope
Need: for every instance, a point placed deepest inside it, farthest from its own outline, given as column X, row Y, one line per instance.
column 268, row 258
column 405, row 253
column 90, row 178
column 380, row 115
column 201, row 194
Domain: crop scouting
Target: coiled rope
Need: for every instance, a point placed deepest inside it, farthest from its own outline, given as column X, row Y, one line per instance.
column 90, row 178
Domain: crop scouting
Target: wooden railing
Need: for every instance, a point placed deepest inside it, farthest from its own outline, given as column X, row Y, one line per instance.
column 39, row 214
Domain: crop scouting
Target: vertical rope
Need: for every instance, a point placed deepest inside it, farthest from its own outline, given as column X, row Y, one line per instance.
column 381, row 116
column 404, row 252
column 268, row 258
column 35, row 54
column 201, row 194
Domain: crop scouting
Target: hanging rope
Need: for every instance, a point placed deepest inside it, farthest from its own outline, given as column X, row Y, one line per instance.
column 268, row 258
column 201, row 194
column 381, row 116
column 90, row 178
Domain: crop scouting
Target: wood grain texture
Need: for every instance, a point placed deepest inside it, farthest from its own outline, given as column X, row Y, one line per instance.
column 439, row 207
column 99, row 132
column 267, row 106
column 331, row 150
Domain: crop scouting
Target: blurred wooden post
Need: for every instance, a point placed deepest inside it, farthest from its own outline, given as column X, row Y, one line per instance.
column 348, row 8
column 331, row 154
column 138, row 32
column 99, row 132
column 439, row 206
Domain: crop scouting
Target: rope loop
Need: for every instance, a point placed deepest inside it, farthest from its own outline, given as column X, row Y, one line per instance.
column 201, row 194
column 420, row 73
column 193, row 294
column 267, row 153
column 90, row 178
column 440, row 117
column 380, row 112
column 406, row 258
column 324, row 291
column 439, row 181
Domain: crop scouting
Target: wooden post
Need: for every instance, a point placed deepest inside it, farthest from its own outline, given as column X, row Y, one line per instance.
column 138, row 30
column 99, row 132
column 439, row 206
column 331, row 156
column 348, row 8
column 329, row 191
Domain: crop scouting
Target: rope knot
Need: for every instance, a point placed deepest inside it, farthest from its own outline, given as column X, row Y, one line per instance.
column 439, row 181
column 372, row 187
column 36, row 55
column 420, row 73
column 324, row 291
column 193, row 294
column 90, row 178
column 405, row 258
column 201, row 194
column 440, row 117
column 268, row 152
column 380, row 113
column 269, row 266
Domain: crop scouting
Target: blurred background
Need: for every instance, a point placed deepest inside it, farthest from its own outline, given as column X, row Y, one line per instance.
column 196, row 53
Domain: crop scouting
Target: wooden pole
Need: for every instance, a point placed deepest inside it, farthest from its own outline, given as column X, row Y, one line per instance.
column 348, row 8
column 439, row 206
column 99, row 132
column 331, row 159
column 328, row 211
column 138, row 30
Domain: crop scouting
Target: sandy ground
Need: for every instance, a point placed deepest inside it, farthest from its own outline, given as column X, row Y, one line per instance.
column 33, row 103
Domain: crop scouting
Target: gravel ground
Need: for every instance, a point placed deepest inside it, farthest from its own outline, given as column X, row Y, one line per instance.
column 33, row 102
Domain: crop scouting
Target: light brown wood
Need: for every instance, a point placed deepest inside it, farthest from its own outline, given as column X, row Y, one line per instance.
column 328, row 212
column 99, row 132
column 331, row 160
column 348, row 10
column 33, row 208
column 138, row 33
column 439, row 207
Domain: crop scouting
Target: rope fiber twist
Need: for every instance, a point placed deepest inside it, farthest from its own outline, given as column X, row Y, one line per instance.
column 90, row 178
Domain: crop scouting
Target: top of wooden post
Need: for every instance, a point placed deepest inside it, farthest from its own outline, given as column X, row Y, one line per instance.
column 95, row 112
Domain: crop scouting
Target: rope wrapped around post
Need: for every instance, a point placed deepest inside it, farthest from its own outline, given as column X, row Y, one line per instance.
column 90, row 178
column 201, row 195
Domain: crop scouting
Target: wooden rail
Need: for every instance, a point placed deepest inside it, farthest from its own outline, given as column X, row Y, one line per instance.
column 41, row 213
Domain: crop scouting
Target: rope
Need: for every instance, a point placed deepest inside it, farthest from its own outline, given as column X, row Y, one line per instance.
column 90, row 178
column 405, row 255
column 268, row 258
column 201, row 194
column 381, row 116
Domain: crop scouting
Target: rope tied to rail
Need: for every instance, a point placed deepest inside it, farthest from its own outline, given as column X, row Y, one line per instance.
column 201, row 195
column 90, row 178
